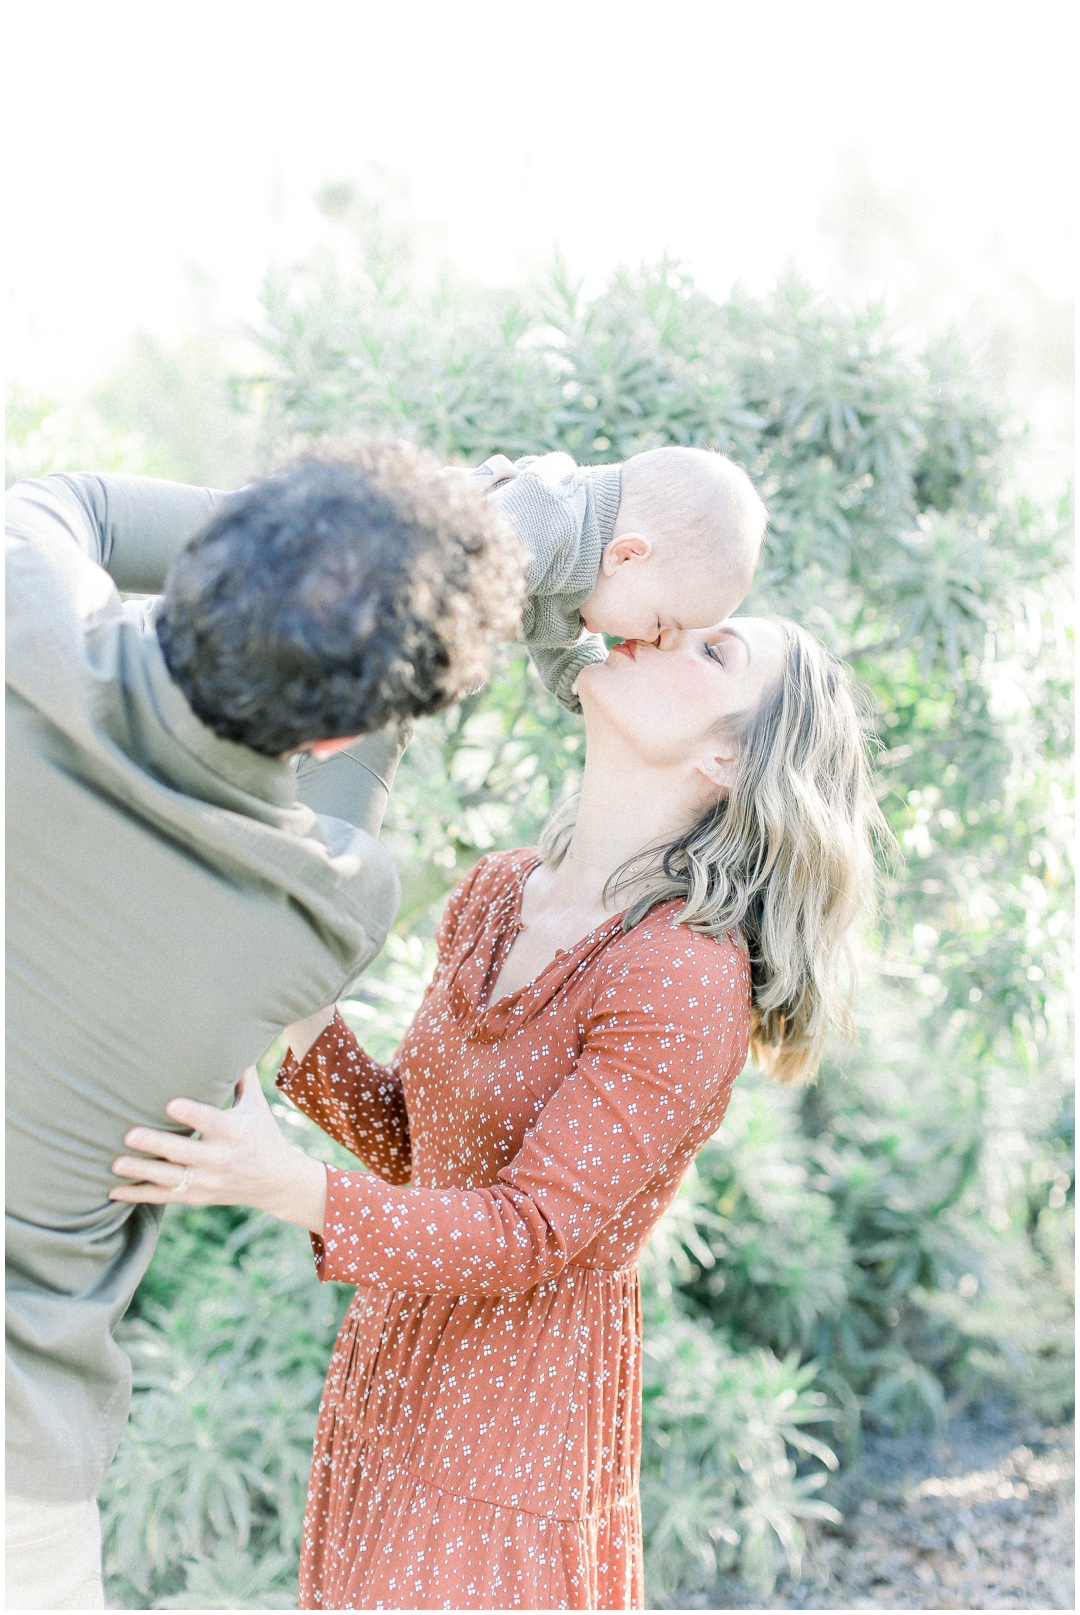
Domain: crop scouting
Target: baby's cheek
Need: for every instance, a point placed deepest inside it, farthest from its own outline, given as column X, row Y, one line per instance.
column 707, row 605
column 639, row 602
column 626, row 610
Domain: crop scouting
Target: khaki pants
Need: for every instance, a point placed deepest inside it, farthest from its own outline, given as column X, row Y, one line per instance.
column 53, row 1555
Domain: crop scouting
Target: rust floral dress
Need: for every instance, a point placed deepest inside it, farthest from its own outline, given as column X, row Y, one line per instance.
column 480, row 1433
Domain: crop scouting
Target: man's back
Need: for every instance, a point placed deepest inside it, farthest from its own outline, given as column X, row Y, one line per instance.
column 170, row 908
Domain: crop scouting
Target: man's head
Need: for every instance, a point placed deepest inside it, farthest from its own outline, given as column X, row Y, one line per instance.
column 684, row 546
column 335, row 597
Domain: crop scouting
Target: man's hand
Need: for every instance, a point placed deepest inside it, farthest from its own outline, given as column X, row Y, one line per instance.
column 238, row 1158
column 496, row 469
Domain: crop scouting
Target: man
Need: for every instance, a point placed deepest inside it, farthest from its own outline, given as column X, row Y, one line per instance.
column 171, row 903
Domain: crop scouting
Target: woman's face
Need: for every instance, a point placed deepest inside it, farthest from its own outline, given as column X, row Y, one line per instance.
column 673, row 700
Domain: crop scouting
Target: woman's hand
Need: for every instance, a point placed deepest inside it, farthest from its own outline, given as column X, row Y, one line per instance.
column 239, row 1158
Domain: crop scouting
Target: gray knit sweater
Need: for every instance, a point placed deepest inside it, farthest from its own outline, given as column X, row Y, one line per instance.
column 564, row 515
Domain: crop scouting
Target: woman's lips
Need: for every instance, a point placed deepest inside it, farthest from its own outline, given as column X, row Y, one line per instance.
column 628, row 647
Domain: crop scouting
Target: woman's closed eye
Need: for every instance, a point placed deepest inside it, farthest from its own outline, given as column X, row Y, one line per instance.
column 718, row 652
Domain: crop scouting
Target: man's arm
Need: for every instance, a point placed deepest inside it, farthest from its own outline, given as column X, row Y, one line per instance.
column 354, row 784
column 132, row 527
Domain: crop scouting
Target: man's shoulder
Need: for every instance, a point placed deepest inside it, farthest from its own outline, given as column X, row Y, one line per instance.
column 62, row 615
column 365, row 872
column 54, row 585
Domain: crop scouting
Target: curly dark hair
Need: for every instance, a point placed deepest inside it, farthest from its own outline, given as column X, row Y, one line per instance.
column 354, row 588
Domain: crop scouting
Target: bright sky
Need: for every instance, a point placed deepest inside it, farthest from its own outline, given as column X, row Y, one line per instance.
column 147, row 136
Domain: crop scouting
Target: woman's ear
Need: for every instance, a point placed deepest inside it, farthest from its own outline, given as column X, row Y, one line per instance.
column 627, row 547
column 719, row 768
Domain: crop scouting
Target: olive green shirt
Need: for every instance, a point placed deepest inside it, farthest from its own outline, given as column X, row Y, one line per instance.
column 171, row 905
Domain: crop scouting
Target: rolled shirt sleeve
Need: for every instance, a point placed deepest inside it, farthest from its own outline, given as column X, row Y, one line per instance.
column 354, row 784
column 131, row 527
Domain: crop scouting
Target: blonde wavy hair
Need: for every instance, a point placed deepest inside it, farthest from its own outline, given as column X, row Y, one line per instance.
column 786, row 858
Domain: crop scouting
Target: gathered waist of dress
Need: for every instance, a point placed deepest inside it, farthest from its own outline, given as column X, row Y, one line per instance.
column 527, row 1401
column 623, row 1275
column 625, row 1270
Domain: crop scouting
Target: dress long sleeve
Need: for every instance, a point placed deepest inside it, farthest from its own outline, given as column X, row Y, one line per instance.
column 353, row 1098
column 359, row 1102
column 648, row 1086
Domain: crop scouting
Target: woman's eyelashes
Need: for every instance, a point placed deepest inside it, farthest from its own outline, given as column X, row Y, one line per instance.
column 716, row 651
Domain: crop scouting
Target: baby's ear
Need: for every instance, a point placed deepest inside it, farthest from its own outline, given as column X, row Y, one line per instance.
column 627, row 547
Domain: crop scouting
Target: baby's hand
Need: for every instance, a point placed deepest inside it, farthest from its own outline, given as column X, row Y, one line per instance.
column 496, row 469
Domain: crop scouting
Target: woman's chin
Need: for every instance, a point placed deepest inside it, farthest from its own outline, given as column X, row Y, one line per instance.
column 590, row 676
column 604, row 695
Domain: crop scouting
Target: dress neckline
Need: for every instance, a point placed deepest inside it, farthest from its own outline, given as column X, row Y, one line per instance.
column 479, row 968
column 528, row 866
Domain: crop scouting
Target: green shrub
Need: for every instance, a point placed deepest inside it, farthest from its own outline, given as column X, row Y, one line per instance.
column 899, row 1234
column 780, row 1264
column 720, row 1487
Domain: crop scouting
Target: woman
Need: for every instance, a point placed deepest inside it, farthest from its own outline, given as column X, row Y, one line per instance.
column 479, row 1438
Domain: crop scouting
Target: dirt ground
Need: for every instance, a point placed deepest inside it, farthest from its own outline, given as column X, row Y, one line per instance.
column 979, row 1516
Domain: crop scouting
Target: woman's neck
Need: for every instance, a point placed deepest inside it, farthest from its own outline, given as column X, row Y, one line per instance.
column 623, row 811
column 625, row 808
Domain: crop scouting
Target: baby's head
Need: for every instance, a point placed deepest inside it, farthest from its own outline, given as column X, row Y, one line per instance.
column 684, row 546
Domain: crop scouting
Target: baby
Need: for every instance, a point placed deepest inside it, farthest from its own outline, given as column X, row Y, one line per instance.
column 667, row 540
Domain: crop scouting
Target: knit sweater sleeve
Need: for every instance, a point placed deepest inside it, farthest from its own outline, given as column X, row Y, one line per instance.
column 564, row 514
column 559, row 667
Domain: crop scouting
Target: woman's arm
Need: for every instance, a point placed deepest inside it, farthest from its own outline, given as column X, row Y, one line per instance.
column 240, row 1157
column 349, row 1095
column 652, row 1073
column 302, row 1034
column 663, row 1048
